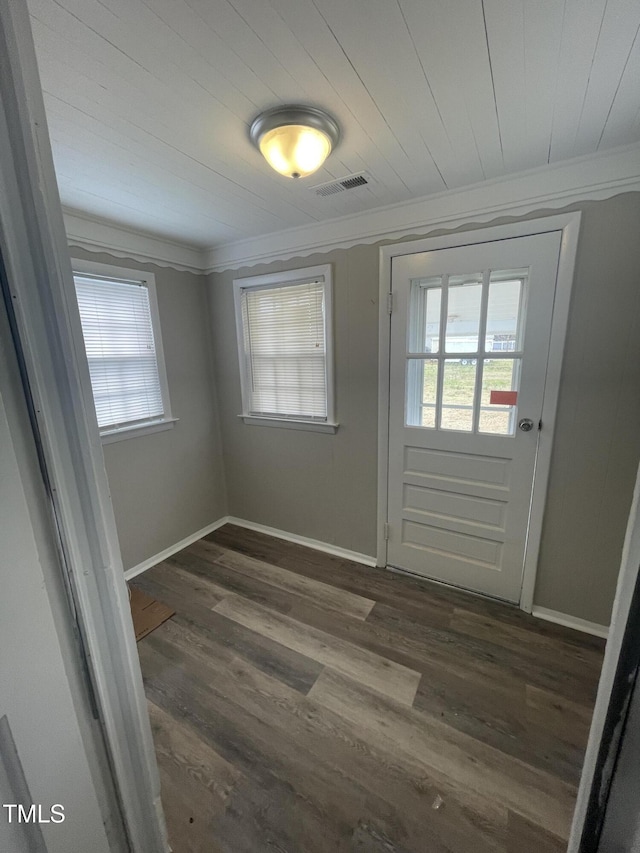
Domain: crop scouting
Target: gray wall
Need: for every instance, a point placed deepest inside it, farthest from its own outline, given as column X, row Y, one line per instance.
column 314, row 484
column 168, row 485
column 324, row 486
column 597, row 444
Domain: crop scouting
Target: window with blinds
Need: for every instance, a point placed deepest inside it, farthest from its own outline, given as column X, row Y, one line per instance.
column 118, row 328
column 283, row 323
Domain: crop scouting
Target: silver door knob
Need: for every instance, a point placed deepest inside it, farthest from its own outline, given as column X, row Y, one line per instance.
column 525, row 424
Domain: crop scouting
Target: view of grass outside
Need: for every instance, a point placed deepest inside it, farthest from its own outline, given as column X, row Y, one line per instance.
column 458, row 391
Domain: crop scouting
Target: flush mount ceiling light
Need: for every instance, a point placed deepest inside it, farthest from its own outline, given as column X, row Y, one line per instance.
column 295, row 140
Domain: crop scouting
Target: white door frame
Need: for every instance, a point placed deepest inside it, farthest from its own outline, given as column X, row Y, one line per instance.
column 569, row 224
column 46, row 325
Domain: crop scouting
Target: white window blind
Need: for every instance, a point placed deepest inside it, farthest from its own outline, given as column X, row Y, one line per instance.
column 118, row 334
column 285, row 350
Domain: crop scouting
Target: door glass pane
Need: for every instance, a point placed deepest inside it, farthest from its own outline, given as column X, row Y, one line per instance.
column 424, row 315
column 463, row 313
column 458, row 392
column 422, row 384
column 432, row 320
column 504, row 311
column 500, row 384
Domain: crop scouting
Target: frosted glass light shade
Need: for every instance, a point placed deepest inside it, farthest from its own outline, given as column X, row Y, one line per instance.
column 295, row 140
column 294, row 150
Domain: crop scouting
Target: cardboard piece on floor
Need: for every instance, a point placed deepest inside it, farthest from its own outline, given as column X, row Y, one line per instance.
column 147, row 613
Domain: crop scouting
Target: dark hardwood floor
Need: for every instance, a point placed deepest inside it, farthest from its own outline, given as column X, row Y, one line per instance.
column 301, row 703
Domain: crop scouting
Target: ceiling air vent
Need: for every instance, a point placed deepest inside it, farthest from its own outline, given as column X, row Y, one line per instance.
column 349, row 182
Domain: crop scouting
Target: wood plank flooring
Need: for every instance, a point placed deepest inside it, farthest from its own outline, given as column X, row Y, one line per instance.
column 301, row 703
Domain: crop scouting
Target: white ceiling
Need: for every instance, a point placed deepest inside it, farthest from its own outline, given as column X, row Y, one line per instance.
column 149, row 101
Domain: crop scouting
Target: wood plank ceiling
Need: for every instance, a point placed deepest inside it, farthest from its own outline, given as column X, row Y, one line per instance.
column 149, row 101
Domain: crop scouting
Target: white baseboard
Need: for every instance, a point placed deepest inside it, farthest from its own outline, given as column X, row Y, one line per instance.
column 540, row 612
column 173, row 549
column 325, row 547
column 571, row 622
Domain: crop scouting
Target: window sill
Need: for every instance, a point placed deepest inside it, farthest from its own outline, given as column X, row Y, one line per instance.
column 109, row 436
column 290, row 423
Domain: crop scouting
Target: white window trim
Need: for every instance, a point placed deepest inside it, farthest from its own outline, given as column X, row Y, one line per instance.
column 291, row 277
column 111, row 434
column 290, row 423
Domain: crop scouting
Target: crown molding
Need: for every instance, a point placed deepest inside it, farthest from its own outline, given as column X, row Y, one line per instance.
column 589, row 178
column 97, row 235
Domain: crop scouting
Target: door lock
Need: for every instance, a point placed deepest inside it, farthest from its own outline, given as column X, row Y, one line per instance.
column 525, row 424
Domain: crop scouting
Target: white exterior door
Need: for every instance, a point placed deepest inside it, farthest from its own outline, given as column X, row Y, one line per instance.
column 470, row 333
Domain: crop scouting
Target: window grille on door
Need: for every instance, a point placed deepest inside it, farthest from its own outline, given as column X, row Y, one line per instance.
column 464, row 351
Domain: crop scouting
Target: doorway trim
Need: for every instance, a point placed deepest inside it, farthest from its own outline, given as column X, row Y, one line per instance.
column 569, row 225
column 42, row 307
